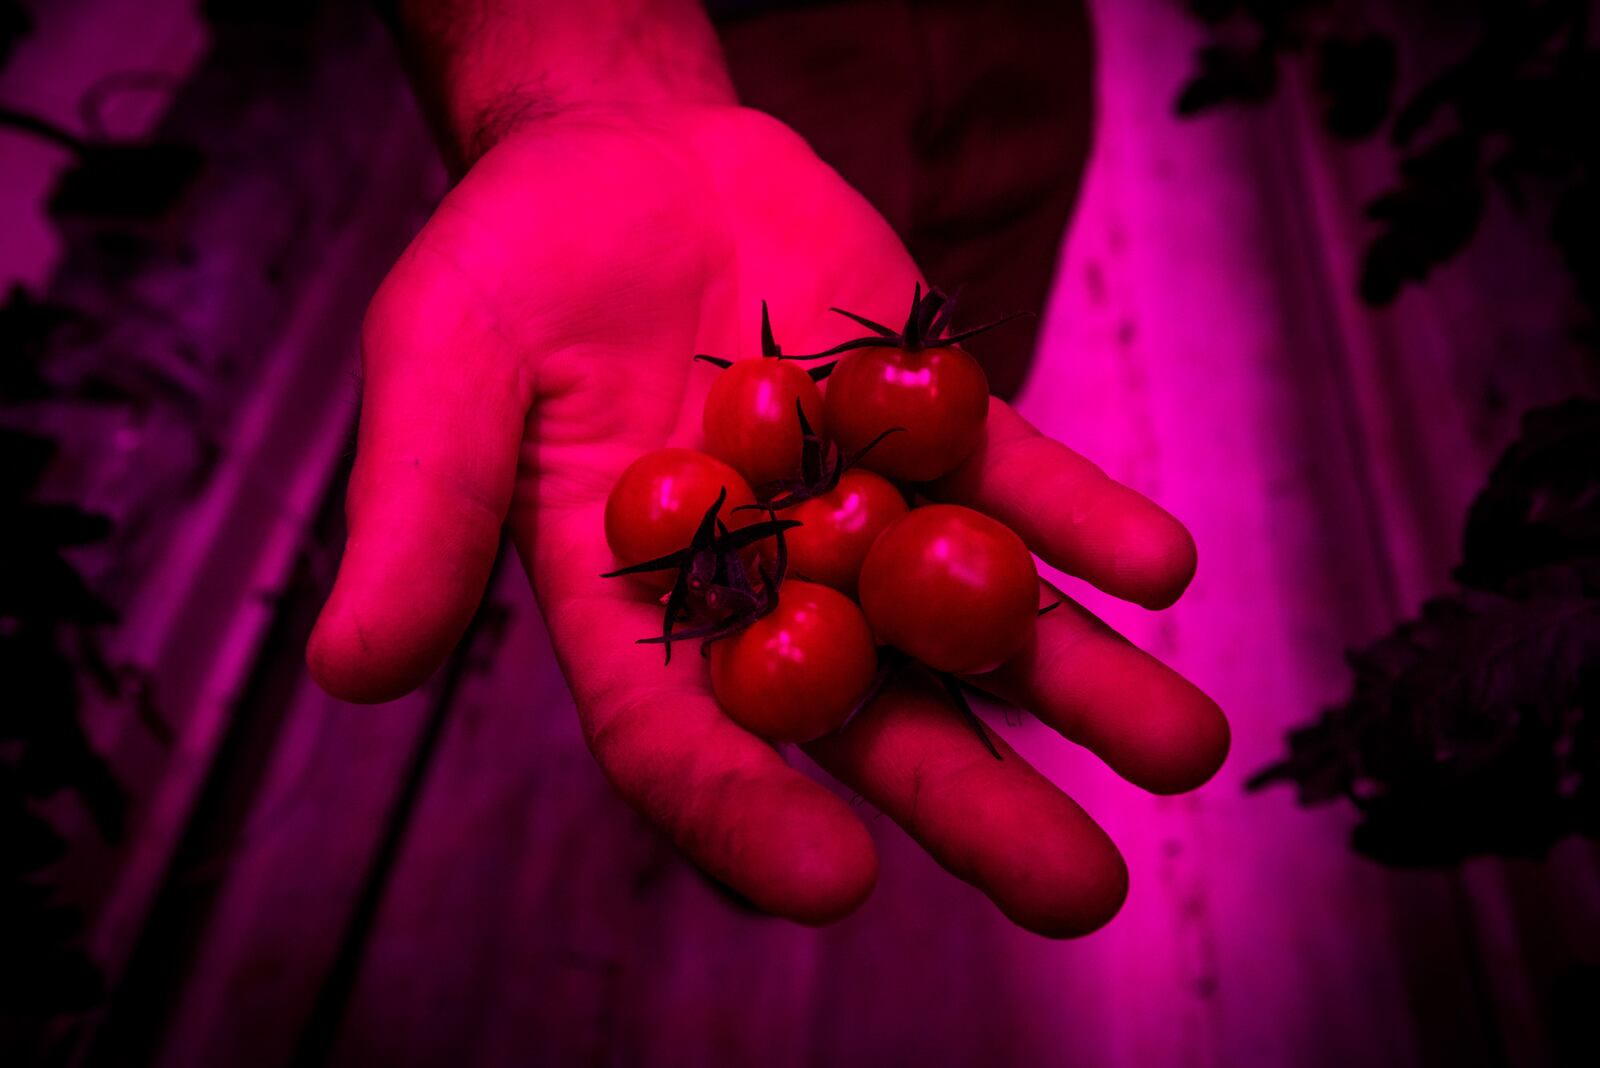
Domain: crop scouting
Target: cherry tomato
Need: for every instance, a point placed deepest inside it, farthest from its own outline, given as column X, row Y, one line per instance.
column 952, row 587
column 837, row 528
column 794, row 674
column 659, row 501
column 750, row 419
column 938, row 395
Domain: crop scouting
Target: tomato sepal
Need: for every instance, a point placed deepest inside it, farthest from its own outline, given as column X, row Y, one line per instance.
column 818, row 475
column 710, row 566
column 924, row 328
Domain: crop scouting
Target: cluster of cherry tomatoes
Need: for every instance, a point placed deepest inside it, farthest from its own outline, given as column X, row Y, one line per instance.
column 789, row 548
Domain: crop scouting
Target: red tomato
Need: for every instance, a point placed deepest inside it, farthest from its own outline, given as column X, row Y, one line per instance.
column 794, row 674
column 837, row 528
column 939, row 395
column 750, row 419
column 659, row 500
column 952, row 587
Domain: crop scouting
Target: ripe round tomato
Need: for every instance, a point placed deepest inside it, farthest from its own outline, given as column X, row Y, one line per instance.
column 794, row 674
column 939, row 395
column 750, row 419
column 659, row 500
column 952, row 587
column 837, row 528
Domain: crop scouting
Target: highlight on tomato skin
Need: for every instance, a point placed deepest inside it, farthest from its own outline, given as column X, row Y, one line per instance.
column 796, row 673
column 659, row 500
column 939, row 396
column 749, row 418
column 837, row 528
column 952, row 587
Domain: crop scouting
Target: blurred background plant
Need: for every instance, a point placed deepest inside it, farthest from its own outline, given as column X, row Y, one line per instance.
column 1514, row 114
column 1473, row 728
column 51, row 614
column 48, row 616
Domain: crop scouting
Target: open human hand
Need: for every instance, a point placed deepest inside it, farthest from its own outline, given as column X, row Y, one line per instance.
column 536, row 337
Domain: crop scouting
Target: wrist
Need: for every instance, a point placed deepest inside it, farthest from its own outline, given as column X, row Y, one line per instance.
column 484, row 68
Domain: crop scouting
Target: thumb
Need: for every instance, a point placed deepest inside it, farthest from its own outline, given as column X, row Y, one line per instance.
column 443, row 406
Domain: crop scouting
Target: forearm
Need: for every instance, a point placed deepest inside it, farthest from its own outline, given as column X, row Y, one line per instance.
column 482, row 67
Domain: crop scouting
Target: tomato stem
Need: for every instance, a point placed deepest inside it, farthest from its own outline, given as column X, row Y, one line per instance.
column 769, row 348
column 891, row 660
column 925, row 328
column 817, row 474
column 709, row 566
column 952, row 686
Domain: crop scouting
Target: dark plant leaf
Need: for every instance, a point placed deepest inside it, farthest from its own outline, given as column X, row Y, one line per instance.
column 33, row 843
column 23, row 460
column 64, row 525
column 1213, row 11
column 1427, row 219
column 44, row 586
column 1424, row 106
column 1575, row 227
column 126, row 181
column 1514, row 111
column 1356, row 79
column 15, row 24
column 1229, row 74
column 1476, row 727
column 1542, row 503
column 1471, row 730
column 26, row 328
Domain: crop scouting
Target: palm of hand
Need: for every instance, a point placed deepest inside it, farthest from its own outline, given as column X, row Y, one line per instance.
column 536, row 338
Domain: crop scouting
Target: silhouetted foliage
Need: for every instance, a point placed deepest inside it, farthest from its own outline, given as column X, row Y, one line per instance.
column 1476, row 727
column 134, row 181
column 116, row 332
column 15, row 24
column 47, row 611
column 44, row 604
column 1572, row 1018
column 26, row 327
column 1428, row 218
column 1472, row 728
column 1356, row 78
column 1245, row 74
column 1517, row 110
column 1540, row 506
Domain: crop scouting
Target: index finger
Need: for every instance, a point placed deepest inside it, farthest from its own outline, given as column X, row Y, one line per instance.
column 442, row 415
column 1071, row 513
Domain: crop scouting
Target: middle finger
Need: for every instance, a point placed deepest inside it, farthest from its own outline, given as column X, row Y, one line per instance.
column 1150, row 724
column 997, row 824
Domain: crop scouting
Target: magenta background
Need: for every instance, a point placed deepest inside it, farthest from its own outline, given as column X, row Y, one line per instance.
column 448, row 880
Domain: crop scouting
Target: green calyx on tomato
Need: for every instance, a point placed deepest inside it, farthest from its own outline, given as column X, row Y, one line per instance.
column 747, row 419
column 837, row 528
column 951, row 592
column 917, row 378
column 822, row 465
column 924, row 329
column 769, row 348
column 711, row 572
column 841, row 509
